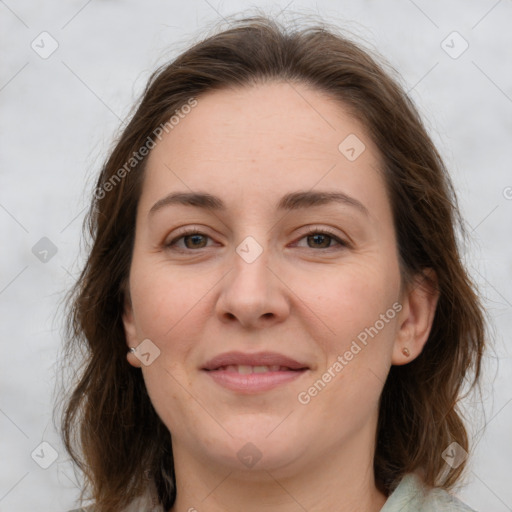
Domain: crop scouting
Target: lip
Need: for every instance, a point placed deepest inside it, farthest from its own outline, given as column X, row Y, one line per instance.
column 253, row 382
column 256, row 359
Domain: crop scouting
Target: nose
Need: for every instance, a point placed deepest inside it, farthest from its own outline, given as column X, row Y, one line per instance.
column 252, row 293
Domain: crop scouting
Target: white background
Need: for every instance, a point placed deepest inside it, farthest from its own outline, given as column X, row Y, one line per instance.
column 58, row 119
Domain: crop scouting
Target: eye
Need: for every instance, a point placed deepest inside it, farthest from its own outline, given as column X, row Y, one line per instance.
column 321, row 239
column 194, row 237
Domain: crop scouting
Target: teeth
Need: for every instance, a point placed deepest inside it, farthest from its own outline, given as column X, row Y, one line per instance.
column 246, row 369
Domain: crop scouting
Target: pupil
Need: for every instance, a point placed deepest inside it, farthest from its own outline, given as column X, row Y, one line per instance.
column 315, row 237
column 194, row 237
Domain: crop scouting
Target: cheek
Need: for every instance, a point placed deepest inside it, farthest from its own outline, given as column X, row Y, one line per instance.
column 167, row 303
column 357, row 309
column 347, row 299
column 167, row 309
column 168, row 387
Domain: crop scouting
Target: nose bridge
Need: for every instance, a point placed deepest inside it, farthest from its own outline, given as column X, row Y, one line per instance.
column 251, row 290
column 250, row 275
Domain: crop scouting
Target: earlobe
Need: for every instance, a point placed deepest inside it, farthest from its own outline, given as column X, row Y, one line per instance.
column 417, row 316
column 132, row 358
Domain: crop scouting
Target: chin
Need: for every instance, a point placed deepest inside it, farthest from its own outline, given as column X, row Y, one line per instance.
column 257, row 445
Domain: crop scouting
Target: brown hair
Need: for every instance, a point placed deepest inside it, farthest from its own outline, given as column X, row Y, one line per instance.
column 109, row 425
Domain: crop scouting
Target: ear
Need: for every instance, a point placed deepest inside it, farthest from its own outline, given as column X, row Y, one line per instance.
column 130, row 330
column 417, row 316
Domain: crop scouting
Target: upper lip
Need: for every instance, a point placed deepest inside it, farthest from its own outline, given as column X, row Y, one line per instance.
column 256, row 359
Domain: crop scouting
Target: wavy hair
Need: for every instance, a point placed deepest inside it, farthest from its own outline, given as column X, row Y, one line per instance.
column 109, row 425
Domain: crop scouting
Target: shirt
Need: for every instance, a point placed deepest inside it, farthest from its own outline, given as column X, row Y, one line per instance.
column 411, row 495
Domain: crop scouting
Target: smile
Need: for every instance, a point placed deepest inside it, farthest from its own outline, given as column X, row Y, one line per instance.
column 247, row 369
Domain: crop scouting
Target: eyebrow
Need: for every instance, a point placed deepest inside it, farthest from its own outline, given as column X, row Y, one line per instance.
column 292, row 201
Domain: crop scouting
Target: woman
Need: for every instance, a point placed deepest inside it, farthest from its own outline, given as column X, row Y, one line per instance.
column 274, row 307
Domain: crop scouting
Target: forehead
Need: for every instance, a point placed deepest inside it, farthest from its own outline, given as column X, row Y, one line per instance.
column 273, row 114
column 271, row 138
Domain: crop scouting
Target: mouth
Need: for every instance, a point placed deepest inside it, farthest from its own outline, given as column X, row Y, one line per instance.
column 245, row 369
column 253, row 373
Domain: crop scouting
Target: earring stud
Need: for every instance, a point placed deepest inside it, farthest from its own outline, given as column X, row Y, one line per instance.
column 405, row 352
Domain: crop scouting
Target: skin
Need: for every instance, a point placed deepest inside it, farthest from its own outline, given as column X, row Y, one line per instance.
column 305, row 298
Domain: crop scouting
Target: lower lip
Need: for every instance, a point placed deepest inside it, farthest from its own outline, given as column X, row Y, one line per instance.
column 253, row 382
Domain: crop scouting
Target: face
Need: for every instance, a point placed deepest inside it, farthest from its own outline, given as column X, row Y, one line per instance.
column 277, row 321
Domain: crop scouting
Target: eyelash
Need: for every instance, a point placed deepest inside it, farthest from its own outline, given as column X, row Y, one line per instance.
column 313, row 231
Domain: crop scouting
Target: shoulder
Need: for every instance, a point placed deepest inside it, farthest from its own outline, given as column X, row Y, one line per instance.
column 412, row 495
